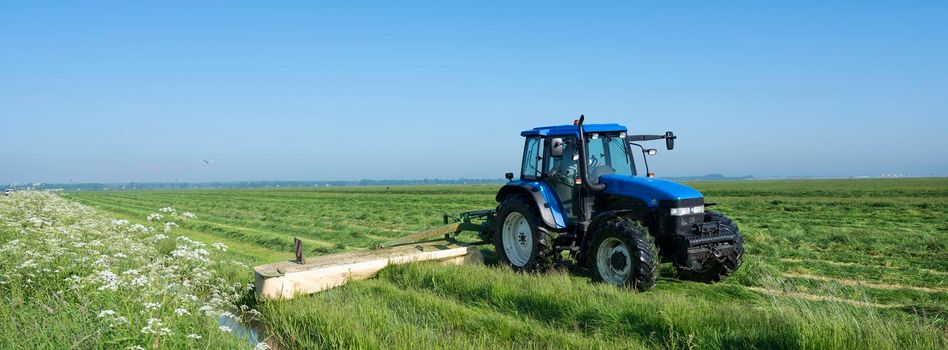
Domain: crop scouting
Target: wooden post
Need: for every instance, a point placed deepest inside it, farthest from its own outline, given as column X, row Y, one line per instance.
column 298, row 246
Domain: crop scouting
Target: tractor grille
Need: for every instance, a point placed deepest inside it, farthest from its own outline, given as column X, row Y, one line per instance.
column 680, row 225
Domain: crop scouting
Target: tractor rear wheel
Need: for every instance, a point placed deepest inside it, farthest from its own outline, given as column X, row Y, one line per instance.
column 519, row 239
column 714, row 271
column 623, row 253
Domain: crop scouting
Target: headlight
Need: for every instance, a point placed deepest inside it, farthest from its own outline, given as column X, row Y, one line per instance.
column 687, row 210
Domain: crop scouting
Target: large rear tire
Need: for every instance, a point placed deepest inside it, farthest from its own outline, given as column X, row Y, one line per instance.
column 714, row 271
column 623, row 253
column 519, row 240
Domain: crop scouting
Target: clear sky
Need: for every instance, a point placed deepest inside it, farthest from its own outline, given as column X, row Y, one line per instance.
column 282, row 90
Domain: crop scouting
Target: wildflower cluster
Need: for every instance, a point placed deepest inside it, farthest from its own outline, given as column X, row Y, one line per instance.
column 138, row 285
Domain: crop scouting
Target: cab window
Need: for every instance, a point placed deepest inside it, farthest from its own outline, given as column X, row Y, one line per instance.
column 532, row 158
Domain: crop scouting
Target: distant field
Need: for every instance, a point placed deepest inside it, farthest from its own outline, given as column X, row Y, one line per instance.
column 261, row 224
column 830, row 264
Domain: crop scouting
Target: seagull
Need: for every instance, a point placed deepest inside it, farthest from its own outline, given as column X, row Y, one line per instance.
column 207, row 162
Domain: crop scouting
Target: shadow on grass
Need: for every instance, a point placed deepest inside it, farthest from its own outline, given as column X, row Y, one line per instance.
column 490, row 256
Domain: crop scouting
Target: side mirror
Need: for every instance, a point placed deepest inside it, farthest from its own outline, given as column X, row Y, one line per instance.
column 557, row 147
column 651, row 151
column 670, row 140
column 509, row 176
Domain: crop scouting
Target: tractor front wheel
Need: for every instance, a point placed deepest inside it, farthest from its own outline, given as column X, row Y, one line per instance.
column 519, row 240
column 622, row 253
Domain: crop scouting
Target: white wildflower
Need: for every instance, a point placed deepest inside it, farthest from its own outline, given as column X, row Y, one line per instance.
column 219, row 246
column 118, row 222
column 152, row 306
column 154, row 217
column 181, row 312
column 108, row 279
column 170, row 226
column 224, row 329
column 188, row 215
column 190, row 254
column 155, row 326
column 10, row 246
column 112, row 317
column 168, row 210
column 36, row 221
column 261, row 346
column 193, row 243
column 26, row 264
column 73, row 281
column 139, row 281
column 194, row 336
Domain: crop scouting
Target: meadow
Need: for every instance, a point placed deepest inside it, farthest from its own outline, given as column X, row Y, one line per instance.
column 834, row 264
column 72, row 277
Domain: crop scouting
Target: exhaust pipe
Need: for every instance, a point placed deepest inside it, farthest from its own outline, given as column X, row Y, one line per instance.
column 584, row 160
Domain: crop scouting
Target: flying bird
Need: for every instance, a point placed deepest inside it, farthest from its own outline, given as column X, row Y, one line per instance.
column 207, row 162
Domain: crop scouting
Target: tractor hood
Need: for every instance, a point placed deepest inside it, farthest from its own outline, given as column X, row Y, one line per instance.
column 649, row 189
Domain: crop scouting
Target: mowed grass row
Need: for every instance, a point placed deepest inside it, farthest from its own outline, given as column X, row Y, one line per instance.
column 332, row 221
column 884, row 244
column 825, row 251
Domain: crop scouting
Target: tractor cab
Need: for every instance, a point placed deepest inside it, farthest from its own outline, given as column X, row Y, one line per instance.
column 551, row 155
column 581, row 190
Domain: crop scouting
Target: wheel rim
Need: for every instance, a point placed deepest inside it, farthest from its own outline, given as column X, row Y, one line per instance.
column 614, row 261
column 517, row 239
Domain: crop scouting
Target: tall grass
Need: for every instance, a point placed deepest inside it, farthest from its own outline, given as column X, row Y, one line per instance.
column 430, row 305
column 73, row 278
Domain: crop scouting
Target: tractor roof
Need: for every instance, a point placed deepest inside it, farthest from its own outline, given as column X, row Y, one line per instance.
column 572, row 130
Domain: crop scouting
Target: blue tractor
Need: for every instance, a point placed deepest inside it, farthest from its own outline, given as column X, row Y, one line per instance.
column 581, row 192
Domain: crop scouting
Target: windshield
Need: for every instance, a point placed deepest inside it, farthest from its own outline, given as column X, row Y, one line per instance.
column 609, row 152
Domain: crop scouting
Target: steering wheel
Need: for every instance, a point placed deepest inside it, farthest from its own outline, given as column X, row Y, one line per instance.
column 562, row 178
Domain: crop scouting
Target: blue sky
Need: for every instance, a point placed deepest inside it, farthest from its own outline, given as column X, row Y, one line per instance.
column 129, row 91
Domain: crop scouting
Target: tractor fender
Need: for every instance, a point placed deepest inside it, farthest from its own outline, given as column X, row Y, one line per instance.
column 543, row 196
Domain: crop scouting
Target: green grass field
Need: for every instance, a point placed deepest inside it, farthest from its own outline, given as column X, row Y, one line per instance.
column 830, row 264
